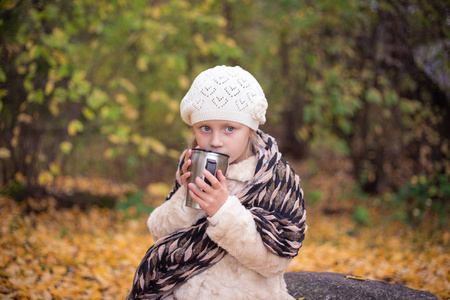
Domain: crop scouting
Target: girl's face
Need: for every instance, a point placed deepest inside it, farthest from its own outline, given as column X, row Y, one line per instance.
column 226, row 137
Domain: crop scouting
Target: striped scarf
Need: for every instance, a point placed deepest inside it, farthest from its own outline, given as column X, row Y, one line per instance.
column 274, row 198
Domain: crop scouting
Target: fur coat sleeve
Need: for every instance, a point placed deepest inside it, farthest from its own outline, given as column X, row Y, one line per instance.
column 172, row 215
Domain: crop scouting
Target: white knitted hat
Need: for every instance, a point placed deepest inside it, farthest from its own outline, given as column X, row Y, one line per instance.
column 225, row 93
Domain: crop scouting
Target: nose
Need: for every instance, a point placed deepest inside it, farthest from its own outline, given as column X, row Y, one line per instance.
column 216, row 140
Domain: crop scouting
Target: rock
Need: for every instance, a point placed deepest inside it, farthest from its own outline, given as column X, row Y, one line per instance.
column 316, row 286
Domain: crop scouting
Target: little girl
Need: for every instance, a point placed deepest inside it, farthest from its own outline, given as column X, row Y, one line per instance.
column 252, row 221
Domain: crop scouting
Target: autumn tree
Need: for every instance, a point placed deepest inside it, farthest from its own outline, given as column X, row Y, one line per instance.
column 367, row 80
column 99, row 81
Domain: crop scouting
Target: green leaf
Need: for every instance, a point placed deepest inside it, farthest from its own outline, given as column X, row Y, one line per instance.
column 391, row 98
column 373, row 95
column 65, row 147
column 2, row 75
column 410, row 106
column 142, row 63
column 97, row 99
column 112, row 113
column 362, row 216
column 128, row 85
column 88, row 113
column 39, row 97
column 55, row 169
column 74, row 127
column 345, row 126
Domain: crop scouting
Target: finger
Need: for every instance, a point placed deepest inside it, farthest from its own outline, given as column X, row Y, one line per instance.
column 185, row 178
column 197, row 191
column 201, row 184
column 196, row 198
column 222, row 179
column 211, row 178
column 186, row 166
column 188, row 154
column 186, row 160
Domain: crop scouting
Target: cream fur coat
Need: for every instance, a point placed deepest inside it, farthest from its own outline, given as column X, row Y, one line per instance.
column 249, row 270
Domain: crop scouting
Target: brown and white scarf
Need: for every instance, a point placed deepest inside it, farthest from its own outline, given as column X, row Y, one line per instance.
column 274, row 198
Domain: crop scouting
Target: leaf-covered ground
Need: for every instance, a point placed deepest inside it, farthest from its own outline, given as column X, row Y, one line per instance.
column 93, row 254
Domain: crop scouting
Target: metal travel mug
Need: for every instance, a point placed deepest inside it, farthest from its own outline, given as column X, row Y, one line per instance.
column 205, row 159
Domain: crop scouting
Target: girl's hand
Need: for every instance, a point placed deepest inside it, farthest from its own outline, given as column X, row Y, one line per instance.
column 184, row 169
column 210, row 197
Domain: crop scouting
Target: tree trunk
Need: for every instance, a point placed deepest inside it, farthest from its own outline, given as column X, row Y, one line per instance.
column 293, row 107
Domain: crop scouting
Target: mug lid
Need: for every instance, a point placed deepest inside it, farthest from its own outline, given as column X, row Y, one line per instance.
column 210, row 151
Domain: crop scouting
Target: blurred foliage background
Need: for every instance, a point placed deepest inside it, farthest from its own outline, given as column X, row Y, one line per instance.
column 90, row 132
column 92, row 89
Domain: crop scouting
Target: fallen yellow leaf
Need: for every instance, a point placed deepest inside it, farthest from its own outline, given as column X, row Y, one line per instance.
column 356, row 278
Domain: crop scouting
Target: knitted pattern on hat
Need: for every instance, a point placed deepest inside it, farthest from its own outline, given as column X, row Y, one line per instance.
column 225, row 93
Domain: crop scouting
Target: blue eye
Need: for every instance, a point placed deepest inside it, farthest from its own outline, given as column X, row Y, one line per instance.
column 230, row 129
column 206, row 128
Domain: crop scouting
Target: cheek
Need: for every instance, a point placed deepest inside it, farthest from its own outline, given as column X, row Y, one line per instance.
column 242, row 148
column 201, row 141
